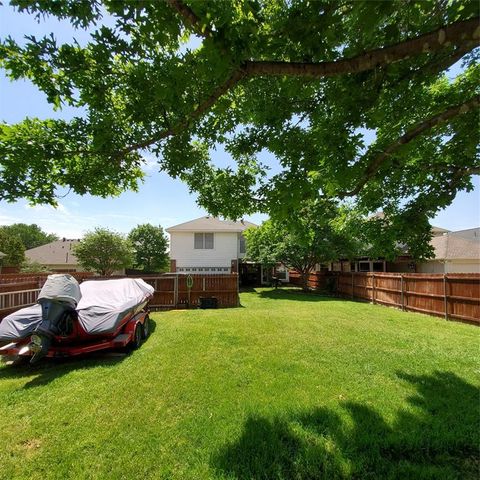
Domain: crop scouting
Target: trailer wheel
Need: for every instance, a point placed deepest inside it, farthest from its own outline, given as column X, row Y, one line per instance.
column 137, row 337
column 146, row 327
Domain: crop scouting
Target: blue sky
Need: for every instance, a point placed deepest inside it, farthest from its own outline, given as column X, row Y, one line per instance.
column 160, row 200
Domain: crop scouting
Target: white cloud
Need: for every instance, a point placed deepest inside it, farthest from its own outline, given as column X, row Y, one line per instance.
column 150, row 164
column 49, row 209
column 6, row 219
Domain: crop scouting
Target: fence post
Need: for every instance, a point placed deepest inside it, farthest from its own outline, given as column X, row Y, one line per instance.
column 203, row 283
column 238, row 288
column 401, row 290
column 445, row 300
column 373, row 288
column 175, row 291
column 353, row 296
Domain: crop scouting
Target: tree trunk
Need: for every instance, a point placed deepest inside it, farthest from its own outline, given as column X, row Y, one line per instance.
column 305, row 276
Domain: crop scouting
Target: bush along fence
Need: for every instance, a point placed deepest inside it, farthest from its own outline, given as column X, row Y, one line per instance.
column 171, row 290
column 453, row 296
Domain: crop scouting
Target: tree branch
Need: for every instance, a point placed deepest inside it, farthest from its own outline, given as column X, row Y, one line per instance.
column 190, row 18
column 463, row 33
column 411, row 134
column 234, row 78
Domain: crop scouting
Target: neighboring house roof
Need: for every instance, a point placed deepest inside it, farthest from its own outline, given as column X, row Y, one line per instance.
column 469, row 233
column 211, row 224
column 453, row 247
column 59, row 252
column 439, row 231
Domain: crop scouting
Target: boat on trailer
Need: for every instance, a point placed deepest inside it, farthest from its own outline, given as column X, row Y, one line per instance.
column 72, row 319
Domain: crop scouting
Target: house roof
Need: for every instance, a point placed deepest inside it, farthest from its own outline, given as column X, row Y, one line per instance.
column 470, row 233
column 59, row 252
column 211, row 224
column 439, row 231
column 454, row 247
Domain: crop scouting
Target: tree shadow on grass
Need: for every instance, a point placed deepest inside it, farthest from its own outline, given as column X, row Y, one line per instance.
column 49, row 369
column 435, row 438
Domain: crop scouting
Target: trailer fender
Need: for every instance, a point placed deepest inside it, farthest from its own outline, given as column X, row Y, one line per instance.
column 134, row 328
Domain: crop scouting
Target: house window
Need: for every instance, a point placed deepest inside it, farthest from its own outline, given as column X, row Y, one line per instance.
column 281, row 274
column 203, row 241
column 243, row 247
column 378, row 267
column 364, row 266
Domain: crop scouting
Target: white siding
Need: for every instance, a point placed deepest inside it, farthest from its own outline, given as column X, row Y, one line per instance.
column 465, row 266
column 225, row 248
column 431, row 267
column 458, row 266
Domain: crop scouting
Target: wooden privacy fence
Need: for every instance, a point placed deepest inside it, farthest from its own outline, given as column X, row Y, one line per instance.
column 39, row 278
column 171, row 291
column 454, row 296
column 19, row 290
column 316, row 281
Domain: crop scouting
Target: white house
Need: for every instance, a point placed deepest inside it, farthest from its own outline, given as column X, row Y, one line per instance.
column 207, row 245
column 455, row 252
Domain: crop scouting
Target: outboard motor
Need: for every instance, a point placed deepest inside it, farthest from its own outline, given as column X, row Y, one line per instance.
column 58, row 298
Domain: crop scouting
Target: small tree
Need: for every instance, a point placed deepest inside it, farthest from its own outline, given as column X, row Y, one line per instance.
column 317, row 233
column 150, row 245
column 31, row 235
column 104, row 251
column 29, row 266
column 13, row 248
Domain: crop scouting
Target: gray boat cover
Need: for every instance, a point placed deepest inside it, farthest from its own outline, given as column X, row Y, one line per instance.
column 61, row 287
column 103, row 305
column 20, row 324
column 105, row 302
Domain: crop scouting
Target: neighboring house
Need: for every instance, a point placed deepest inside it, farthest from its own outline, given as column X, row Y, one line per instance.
column 455, row 252
column 207, row 245
column 469, row 234
column 437, row 231
column 56, row 256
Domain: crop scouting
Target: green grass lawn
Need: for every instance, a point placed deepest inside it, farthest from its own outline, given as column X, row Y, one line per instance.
column 289, row 386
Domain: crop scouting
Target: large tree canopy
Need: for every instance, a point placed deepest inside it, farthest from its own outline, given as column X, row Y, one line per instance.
column 320, row 232
column 31, row 235
column 151, row 245
column 303, row 80
column 13, row 248
column 104, row 251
